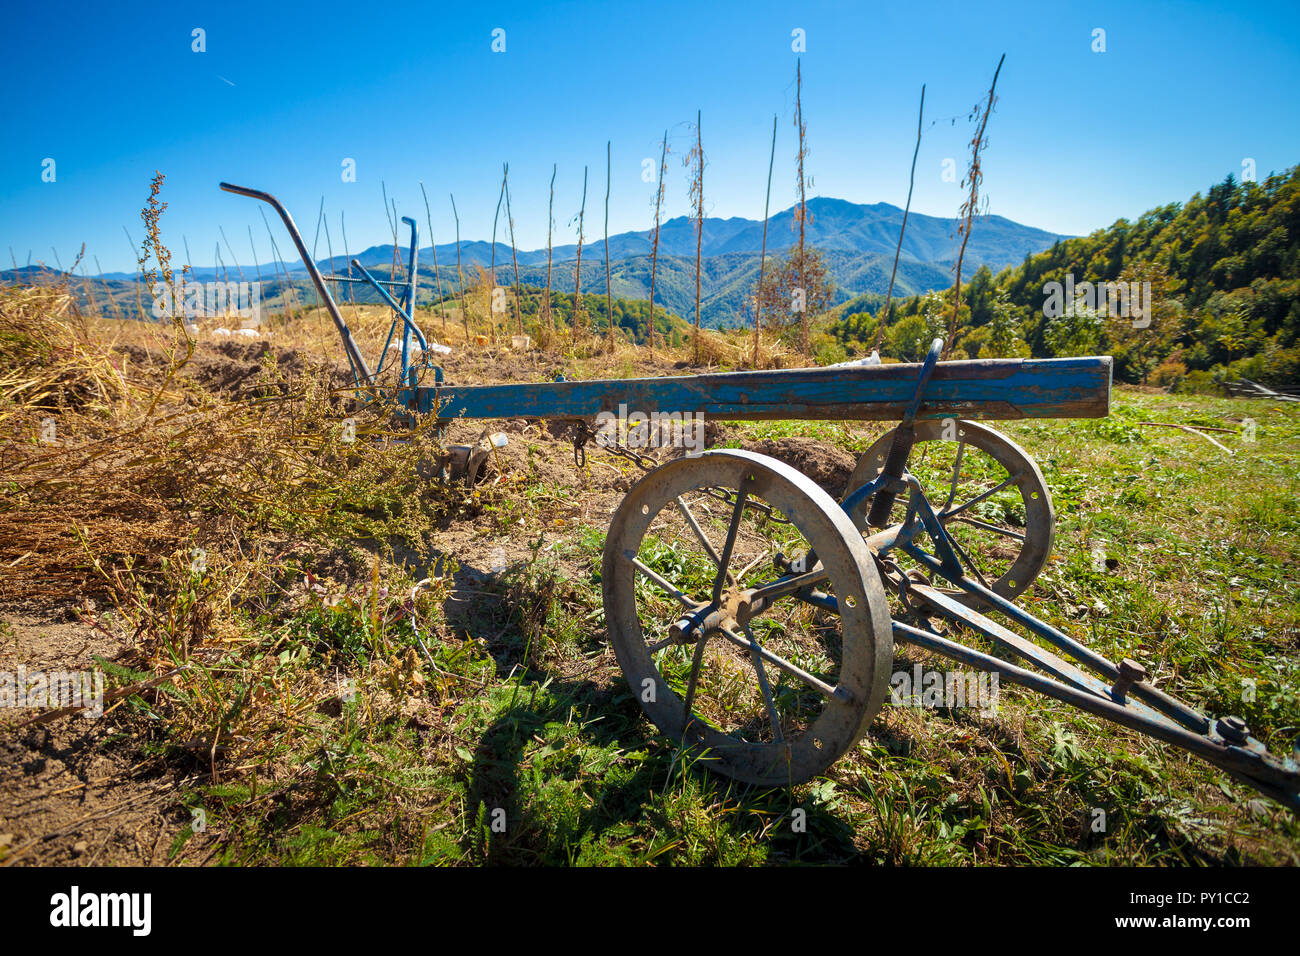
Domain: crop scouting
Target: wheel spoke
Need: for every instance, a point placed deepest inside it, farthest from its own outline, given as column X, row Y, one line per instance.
column 699, row 533
column 794, row 670
column 970, row 562
column 1005, row 532
column 773, row 717
column 666, row 585
column 956, row 472
column 691, row 682
column 770, row 592
column 666, row 642
column 741, row 494
column 751, row 566
column 946, row 514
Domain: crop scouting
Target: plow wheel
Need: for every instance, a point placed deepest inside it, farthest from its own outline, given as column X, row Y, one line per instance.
column 767, row 686
column 988, row 494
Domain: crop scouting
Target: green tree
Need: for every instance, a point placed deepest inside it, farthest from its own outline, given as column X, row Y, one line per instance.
column 1076, row 332
column 1005, row 340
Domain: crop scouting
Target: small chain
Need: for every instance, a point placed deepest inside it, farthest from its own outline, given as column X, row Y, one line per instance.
column 581, row 434
column 644, row 462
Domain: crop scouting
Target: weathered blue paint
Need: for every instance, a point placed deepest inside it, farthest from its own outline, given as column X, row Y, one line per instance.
column 981, row 389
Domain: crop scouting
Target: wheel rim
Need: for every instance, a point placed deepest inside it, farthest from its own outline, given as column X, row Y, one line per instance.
column 993, row 472
column 757, row 722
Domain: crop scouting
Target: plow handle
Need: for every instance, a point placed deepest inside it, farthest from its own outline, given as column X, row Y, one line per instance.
column 355, row 359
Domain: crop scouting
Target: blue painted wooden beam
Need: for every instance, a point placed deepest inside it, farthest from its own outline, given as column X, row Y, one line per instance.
column 980, row 389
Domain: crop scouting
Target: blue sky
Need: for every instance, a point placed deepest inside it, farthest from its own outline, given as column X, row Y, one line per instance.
column 1182, row 95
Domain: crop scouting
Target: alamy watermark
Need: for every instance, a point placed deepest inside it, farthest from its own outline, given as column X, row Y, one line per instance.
column 133, row 911
column 35, row 688
column 954, row 690
column 641, row 430
column 198, row 300
column 1114, row 300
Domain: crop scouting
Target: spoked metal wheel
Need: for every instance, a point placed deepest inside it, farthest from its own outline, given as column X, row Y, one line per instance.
column 988, row 493
column 767, row 686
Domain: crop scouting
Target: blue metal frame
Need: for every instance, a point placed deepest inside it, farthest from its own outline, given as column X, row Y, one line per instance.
column 1138, row 705
column 404, row 309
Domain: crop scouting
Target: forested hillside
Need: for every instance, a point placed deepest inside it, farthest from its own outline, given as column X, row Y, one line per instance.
column 1224, row 274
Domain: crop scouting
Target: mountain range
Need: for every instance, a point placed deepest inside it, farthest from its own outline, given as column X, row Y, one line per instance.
column 857, row 241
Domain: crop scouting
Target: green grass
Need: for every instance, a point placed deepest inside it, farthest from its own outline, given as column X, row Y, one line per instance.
column 523, row 745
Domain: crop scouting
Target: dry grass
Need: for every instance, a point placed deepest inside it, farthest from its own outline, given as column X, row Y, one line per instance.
column 113, row 469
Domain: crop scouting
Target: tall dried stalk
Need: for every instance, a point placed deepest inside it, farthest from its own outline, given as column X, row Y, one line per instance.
column 258, row 265
column 609, row 294
column 505, row 171
column 696, row 156
column 460, row 273
column 654, row 248
column 801, row 216
column 329, row 248
column 391, row 216
column 974, row 176
column 762, row 256
column 577, row 272
column 85, row 281
column 911, row 181
column 152, row 214
column 514, row 256
column 548, row 322
column 315, row 245
column 433, row 247
column 347, row 259
column 320, row 218
column 233, row 258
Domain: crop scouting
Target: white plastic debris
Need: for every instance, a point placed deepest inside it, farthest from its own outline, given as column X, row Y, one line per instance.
column 872, row 359
column 221, row 333
column 248, row 333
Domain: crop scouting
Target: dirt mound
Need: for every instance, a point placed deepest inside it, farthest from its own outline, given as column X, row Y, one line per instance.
column 237, row 369
column 825, row 464
column 234, row 369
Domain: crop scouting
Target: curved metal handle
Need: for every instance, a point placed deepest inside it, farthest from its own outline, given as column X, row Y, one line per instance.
column 355, row 359
column 927, row 369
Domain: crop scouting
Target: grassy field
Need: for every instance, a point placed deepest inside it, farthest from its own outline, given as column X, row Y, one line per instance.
column 321, row 708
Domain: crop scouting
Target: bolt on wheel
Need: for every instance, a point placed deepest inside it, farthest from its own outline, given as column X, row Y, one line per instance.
column 747, row 615
column 988, row 494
